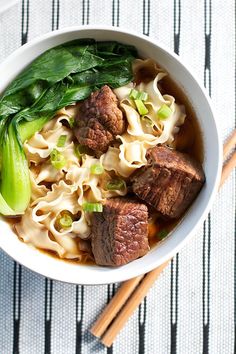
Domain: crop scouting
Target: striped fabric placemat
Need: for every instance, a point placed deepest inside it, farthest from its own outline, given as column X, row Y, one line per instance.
column 191, row 308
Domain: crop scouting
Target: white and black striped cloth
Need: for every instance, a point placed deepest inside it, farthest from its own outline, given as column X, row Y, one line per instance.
column 191, row 308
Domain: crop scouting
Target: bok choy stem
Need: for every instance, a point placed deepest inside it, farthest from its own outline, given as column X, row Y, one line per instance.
column 4, row 207
column 15, row 184
column 27, row 129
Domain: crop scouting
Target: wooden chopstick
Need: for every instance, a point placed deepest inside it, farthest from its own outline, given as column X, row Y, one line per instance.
column 229, row 144
column 227, row 169
column 114, row 306
column 131, row 305
column 136, row 289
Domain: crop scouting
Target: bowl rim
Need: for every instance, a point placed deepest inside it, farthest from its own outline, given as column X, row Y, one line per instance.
column 47, row 272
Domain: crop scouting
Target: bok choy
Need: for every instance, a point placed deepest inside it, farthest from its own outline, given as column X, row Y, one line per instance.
column 59, row 77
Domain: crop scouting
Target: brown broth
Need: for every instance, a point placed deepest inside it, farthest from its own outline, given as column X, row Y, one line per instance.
column 88, row 261
column 188, row 140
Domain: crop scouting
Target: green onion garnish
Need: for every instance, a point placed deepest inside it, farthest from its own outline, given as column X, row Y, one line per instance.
column 143, row 96
column 96, row 169
column 81, row 150
column 92, row 207
column 78, row 153
column 65, row 221
column 138, row 95
column 115, row 184
column 133, row 94
column 142, row 109
column 57, row 159
column 164, row 112
column 162, row 234
column 61, row 141
column 71, row 122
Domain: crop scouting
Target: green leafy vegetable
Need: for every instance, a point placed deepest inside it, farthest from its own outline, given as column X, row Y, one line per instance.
column 59, row 77
column 4, row 207
column 27, row 129
column 15, row 186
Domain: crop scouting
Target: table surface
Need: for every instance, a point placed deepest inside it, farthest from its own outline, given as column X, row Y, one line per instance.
column 191, row 308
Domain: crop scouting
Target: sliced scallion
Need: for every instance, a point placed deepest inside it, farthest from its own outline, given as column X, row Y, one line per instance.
column 92, row 207
column 142, row 109
column 61, row 141
column 65, row 220
column 71, row 122
column 57, row 159
column 164, row 112
column 162, row 234
column 143, row 96
column 138, row 95
column 115, row 184
column 81, row 150
column 96, row 169
column 133, row 94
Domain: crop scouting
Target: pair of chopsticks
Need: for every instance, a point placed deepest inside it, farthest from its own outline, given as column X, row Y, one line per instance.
column 132, row 292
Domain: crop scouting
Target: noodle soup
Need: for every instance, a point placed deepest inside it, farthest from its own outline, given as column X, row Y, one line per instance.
column 98, row 141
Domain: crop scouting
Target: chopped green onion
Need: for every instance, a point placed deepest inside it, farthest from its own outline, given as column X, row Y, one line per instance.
column 71, row 122
column 164, row 112
column 162, row 234
column 138, row 95
column 115, row 184
column 81, row 150
column 143, row 96
column 77, row 151
column 65, row 221
column 142, row 109
column 92, row 207
column 61, row 141
column 57, row 159
column 133, row 94
column 96, row 169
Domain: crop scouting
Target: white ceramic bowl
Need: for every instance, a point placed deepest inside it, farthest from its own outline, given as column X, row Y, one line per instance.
column 81, row 274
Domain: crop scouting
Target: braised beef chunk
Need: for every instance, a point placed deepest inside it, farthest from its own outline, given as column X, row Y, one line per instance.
column 99, row 120
column 170, row 181
column 120, row 232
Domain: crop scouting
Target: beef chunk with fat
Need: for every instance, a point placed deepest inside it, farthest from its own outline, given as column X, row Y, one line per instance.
column 99, row 120
column 120, row 232
column 170, row 181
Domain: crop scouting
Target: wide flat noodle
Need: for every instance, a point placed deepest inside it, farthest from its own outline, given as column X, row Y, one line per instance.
column 70, row 187
column 143, row 132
